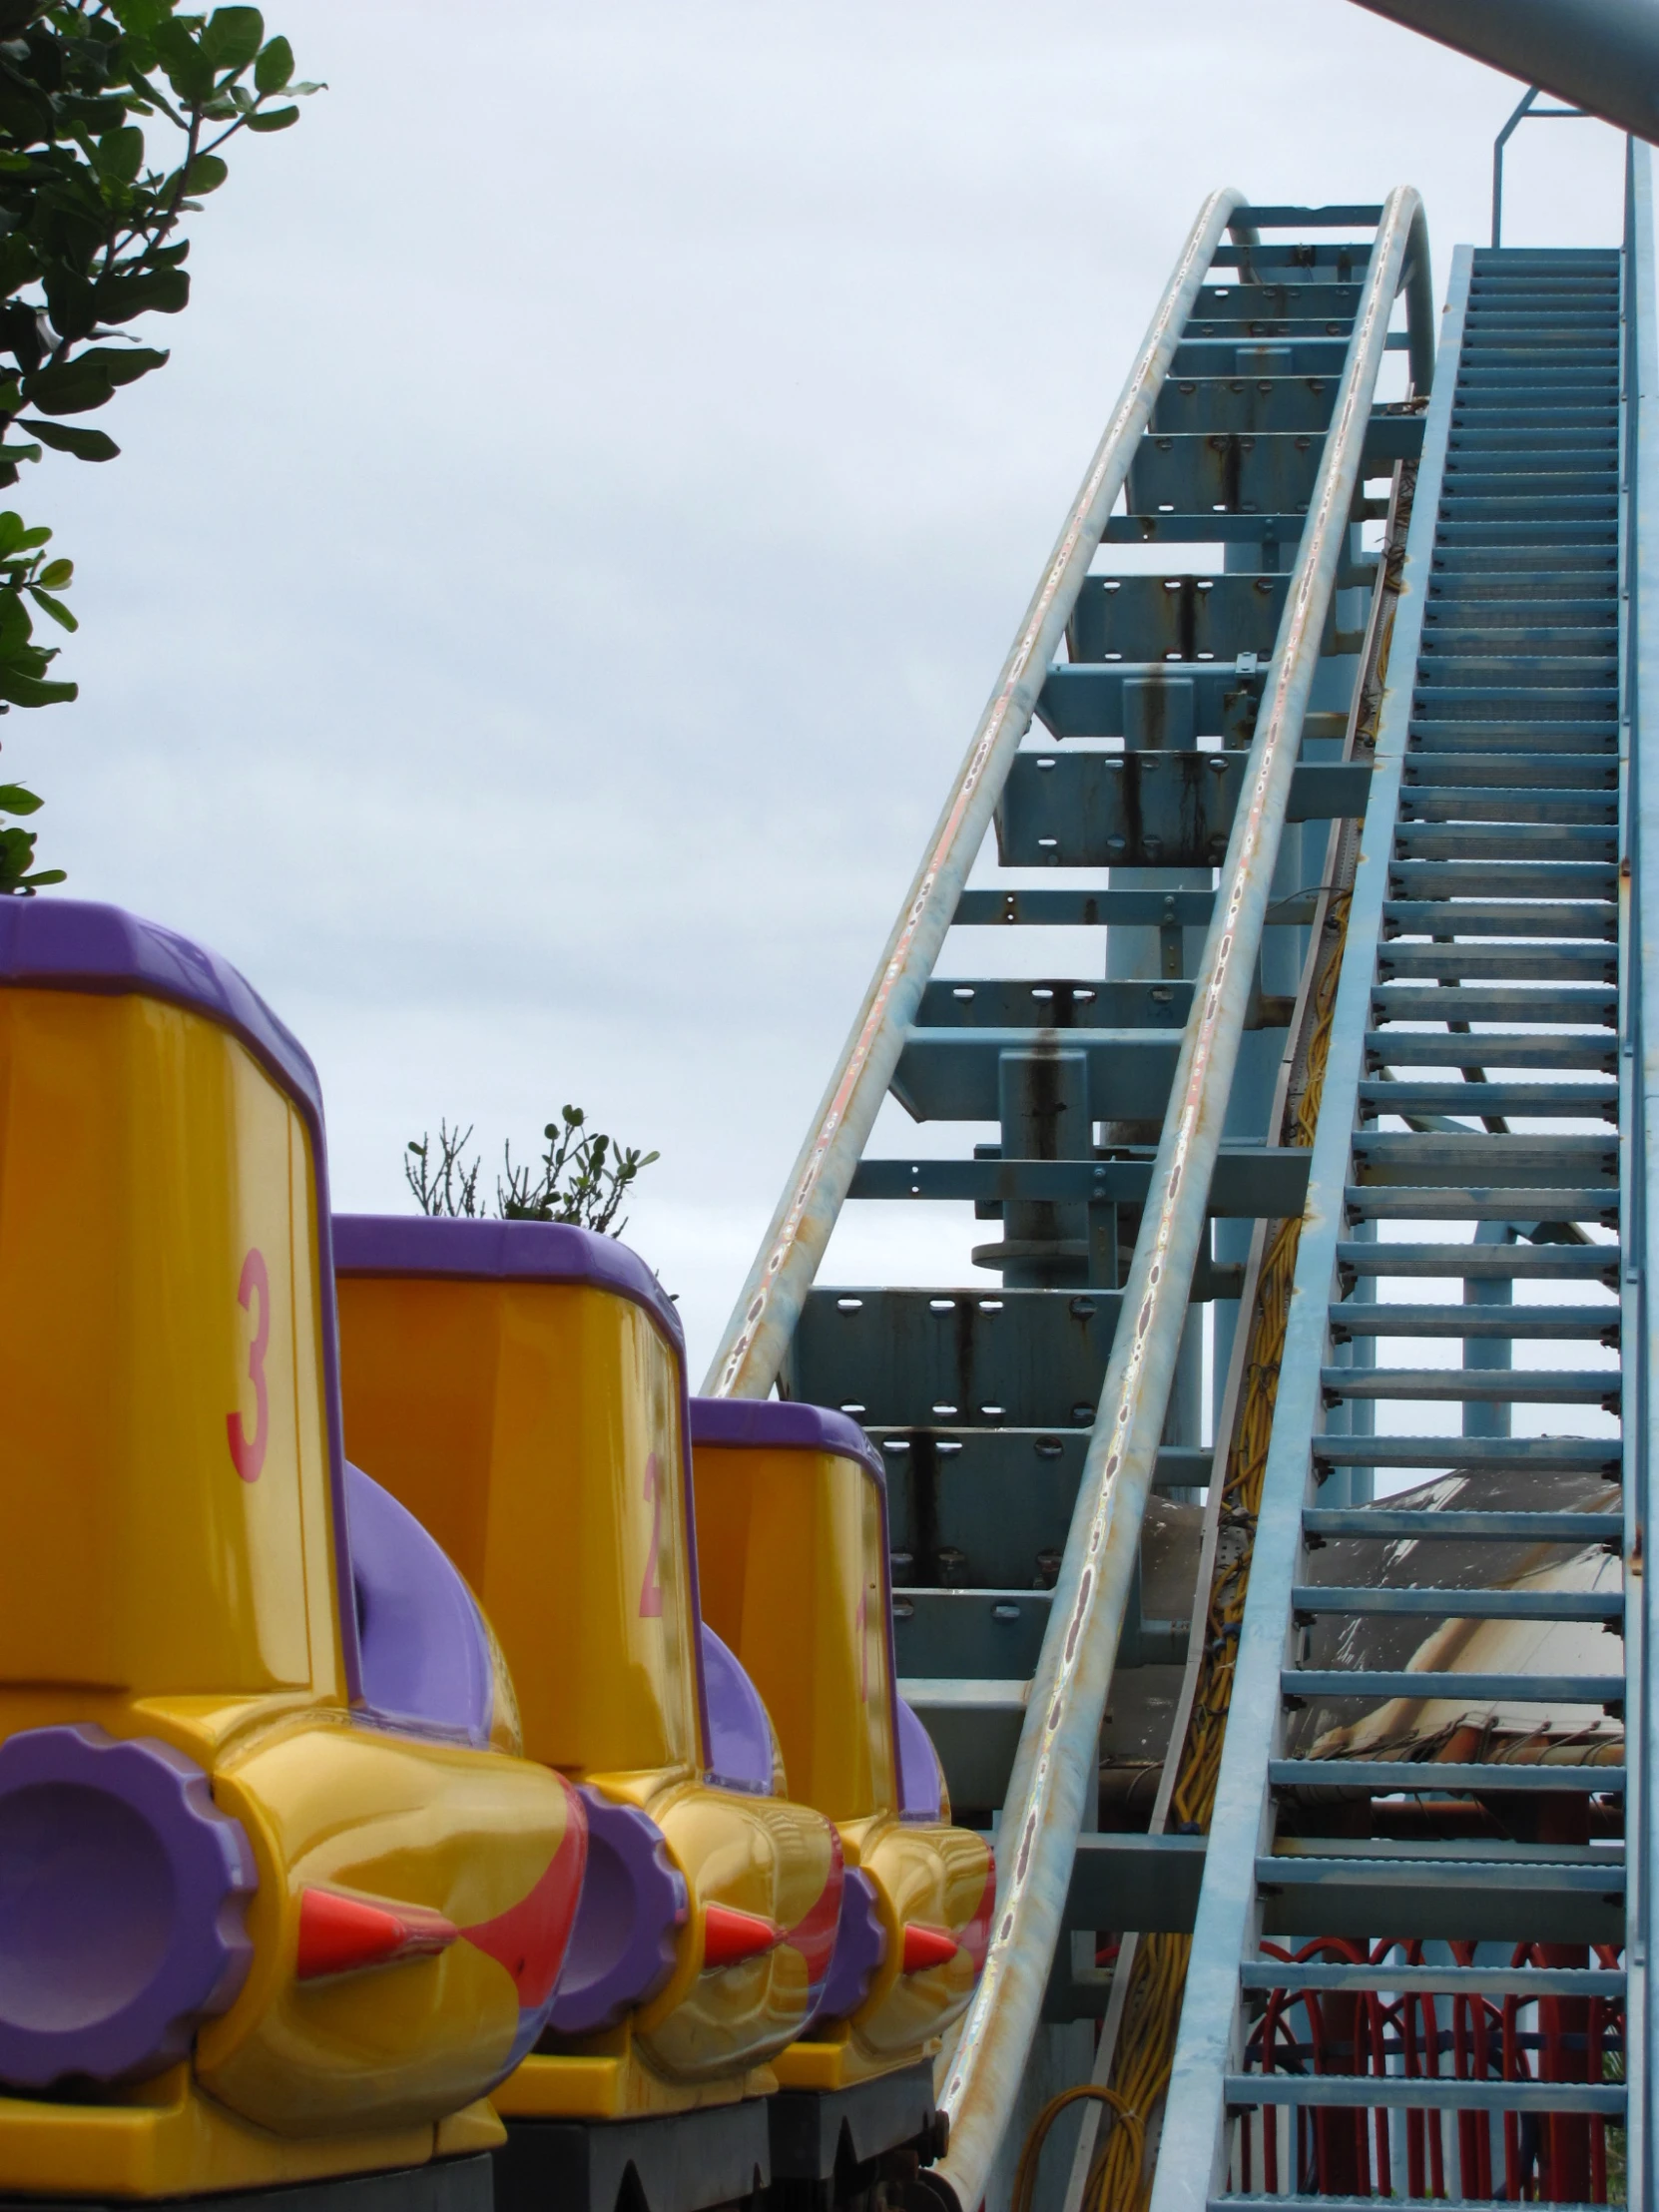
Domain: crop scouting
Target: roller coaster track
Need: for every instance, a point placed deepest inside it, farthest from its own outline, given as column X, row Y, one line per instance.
column 1204, row 719
column 1410, row 1972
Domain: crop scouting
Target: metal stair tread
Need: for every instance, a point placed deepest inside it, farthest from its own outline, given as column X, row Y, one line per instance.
column 1414, row 1686
column 1388, row 1776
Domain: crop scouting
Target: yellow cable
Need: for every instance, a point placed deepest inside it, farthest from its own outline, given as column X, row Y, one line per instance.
column 1025, row 2177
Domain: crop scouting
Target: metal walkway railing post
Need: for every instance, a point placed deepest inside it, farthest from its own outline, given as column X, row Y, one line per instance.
column 762, row 1323
column 1526, row 112
column 1639, row 1132
column 1055, row 1766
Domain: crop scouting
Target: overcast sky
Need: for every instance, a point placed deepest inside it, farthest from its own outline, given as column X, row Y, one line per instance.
column 536, row 614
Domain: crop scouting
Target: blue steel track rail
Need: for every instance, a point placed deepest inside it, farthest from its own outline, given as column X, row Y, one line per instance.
column 1177, row 696
column 1492, row 1073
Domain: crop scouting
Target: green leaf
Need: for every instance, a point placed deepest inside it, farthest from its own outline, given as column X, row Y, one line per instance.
column 15, row 631
column 44, row 876
column 273, row 118
column 31, row 691
column 12, row 454
column 69, row 302
column 18, row 263
column 76, row 386
column 56, row 575
column 146, row 291
column 85, row 445
column 141, row 16
column 121, row 153
column 207, row 172
column 187, row 69
column 54, row 607
column 17, row 799
column 274, row 67
column 232, row 37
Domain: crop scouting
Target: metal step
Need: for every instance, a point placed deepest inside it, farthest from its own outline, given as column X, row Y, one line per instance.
column 1508, row 804
column 1552, row 1262
column 1594, row 1324
column 1492, row 772
column 1316, row 1600
column 1496, row 1454
column 1460, row 962
column 1500, row 878
column 1501, row 841
column 1446, row 1524
column 1421, row 2093
column 1500, row 918
column 1591, row 1003
column 1475, row 1160
column 1590, row 1100
column 1531, row 1207
column 1505, row 1386
column 1389, row 1776
column 1486, row 1981
column 1374, row 1685
column 1491, row 1049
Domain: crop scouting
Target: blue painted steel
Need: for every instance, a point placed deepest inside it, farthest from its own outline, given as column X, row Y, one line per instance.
column 1639, row 1132
column 1502, row 752
column 982, row 1401
column 1374, row 1684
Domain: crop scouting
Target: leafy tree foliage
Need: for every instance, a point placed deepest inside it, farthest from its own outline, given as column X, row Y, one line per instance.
column 582, row 1177
column 113, row 114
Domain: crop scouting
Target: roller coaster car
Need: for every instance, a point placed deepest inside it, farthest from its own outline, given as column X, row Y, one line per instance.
column 520, row 1387
column 791, row 1523
column 278, row 1900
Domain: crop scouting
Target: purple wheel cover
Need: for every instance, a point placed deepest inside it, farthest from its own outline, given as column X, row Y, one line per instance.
column 861, row 1946
column 633, row 1900
column 123, row 1890
column 920, row 1796
column 739, row 1728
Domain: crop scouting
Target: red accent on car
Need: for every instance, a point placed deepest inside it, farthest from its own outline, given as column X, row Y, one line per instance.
column 927, row 1946
column 530, row 1939
column 976, row 1936
column 344, row 1934
column 814, row 1935
column 730, row 1936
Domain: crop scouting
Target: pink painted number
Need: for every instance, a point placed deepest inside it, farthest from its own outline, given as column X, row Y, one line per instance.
column 247, row 1453
column 651, row 1597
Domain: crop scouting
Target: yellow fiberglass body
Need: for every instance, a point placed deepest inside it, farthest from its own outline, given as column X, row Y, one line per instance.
column 278, row 1898
column 792, row 1545
column 520, row 1387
